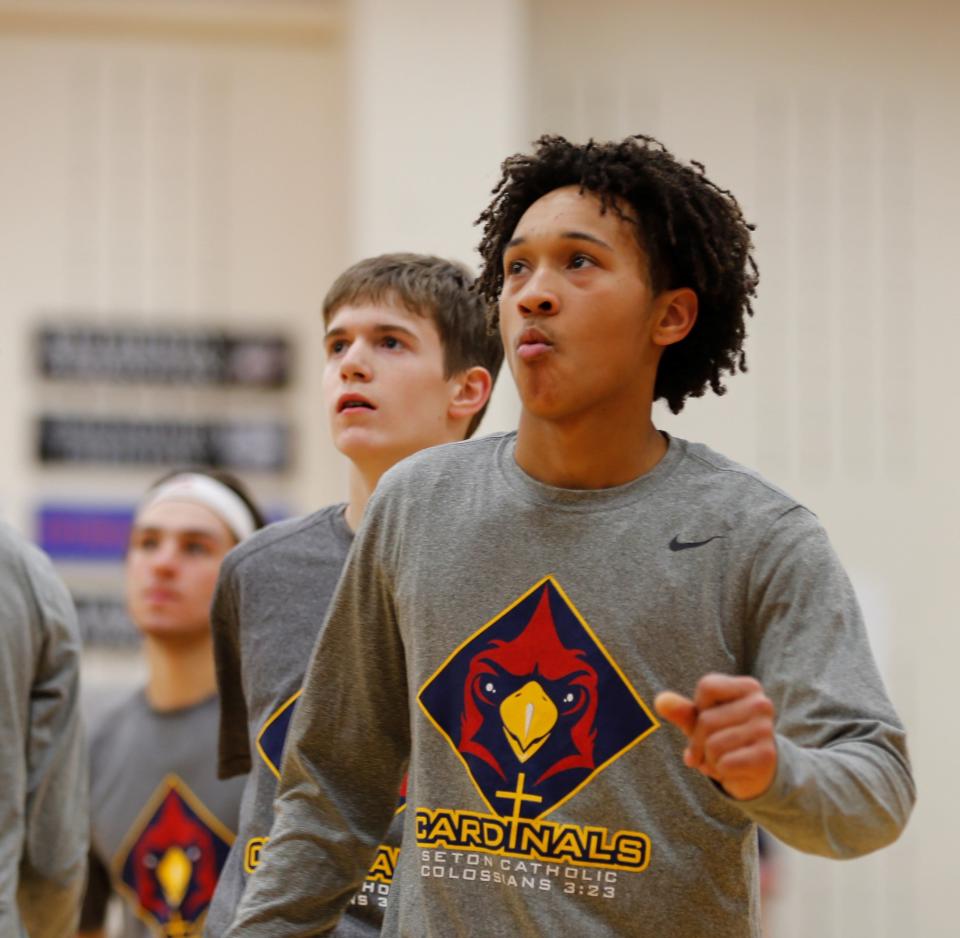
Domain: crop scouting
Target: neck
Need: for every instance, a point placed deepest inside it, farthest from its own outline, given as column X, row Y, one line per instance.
column 365, row 476
column 362, row 484
column 584, row 454
column 180, row 672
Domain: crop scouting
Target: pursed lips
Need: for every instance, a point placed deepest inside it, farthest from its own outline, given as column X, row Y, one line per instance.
column 532, row 344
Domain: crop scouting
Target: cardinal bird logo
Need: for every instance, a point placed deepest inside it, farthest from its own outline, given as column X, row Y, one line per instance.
column 174, row 857
column 534, row 705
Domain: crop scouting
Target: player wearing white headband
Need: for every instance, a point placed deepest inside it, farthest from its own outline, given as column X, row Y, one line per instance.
column 234, row 509
column 162, row 823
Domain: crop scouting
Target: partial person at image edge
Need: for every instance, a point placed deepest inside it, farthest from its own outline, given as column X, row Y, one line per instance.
column 43, row 767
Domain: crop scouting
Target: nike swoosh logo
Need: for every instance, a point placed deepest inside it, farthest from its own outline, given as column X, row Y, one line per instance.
column 677, row 544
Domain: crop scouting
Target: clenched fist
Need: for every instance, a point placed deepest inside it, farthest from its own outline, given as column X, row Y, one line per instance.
column 729, row 730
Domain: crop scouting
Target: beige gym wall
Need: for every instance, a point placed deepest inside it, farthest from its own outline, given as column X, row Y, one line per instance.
column 836, row 124
column 168, row 164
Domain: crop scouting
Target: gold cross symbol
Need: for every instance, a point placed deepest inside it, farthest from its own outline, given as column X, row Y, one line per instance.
column 517, row 797
column 176, row 927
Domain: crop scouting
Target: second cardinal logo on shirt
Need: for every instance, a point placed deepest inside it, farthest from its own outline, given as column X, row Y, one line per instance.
column 172, row 859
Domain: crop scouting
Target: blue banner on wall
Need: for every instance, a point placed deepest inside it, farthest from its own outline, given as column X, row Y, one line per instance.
column 71, row 532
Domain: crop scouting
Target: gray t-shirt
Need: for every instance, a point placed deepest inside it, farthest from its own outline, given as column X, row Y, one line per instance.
column 162, row 822
column 43, row 769
column 508, row 638
column 270, row 602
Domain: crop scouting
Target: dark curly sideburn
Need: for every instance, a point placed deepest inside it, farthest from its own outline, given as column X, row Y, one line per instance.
column 692, row 231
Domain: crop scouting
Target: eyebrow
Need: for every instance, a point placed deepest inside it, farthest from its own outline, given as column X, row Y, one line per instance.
column 338, row 331
column 569, row 235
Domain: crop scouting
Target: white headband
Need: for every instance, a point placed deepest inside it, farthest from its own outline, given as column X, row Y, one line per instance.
column 221, row 500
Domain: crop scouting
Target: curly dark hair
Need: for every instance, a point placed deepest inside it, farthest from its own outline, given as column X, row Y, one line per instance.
column 693, row 234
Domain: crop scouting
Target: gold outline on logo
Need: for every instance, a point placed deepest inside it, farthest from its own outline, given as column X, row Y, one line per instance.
column 276, row 713
column 171, row 782
column 654, row 724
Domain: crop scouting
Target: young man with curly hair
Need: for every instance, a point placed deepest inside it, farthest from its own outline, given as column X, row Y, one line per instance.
column 516, row 610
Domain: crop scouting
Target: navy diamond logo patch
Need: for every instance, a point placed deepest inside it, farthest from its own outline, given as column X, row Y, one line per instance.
column 171, row 866
column 534, row 705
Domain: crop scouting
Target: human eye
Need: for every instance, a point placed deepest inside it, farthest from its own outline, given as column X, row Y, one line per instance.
column 513, row 267
column 144, row 541
column 197, row 549
column 336, row 346
column 392, row 342
column 580, row 261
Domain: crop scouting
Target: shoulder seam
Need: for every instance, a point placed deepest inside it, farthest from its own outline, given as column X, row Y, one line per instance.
column 768, row 534
column 243, row 552
column 753, row 477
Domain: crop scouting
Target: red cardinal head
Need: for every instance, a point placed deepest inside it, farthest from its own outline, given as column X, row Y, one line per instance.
column 174, row 867
column 531, row 696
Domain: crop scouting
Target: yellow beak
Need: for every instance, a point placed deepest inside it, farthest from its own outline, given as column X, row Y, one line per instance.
column 528, row 717
column 173, row 872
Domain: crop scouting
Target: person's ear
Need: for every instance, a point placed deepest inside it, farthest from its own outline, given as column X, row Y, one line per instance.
column 471, row 391
column 677, row 313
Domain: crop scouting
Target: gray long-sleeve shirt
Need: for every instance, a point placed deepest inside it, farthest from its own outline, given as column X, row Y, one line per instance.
column 161, row 821
column 508, row 638
column 271, row 599
column 43, row 777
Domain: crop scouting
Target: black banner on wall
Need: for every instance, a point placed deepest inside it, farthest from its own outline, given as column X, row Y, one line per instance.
column 163, row 356
column 104, row 622
column 250, row 445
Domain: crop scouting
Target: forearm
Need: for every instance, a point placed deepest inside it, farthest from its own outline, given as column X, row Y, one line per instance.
column 326, row 829
column 53, row 861
column 843, row 800
column 346, row 752
column 843, row 785
column 49, row 909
